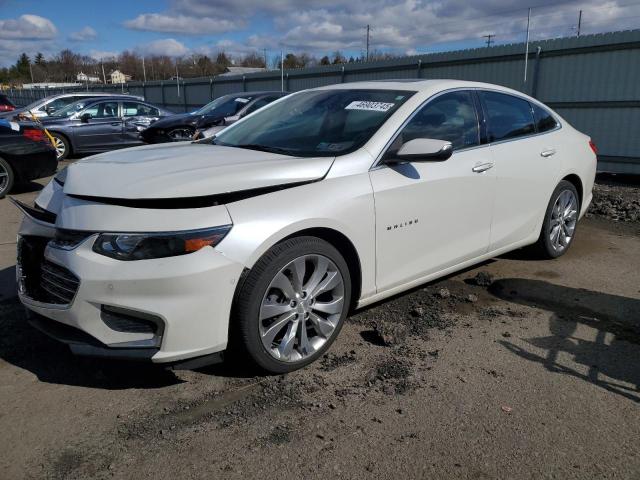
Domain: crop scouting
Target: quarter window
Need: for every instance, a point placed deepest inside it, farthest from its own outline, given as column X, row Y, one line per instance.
column 544, row 120
column 508, row 116
column 450, row 117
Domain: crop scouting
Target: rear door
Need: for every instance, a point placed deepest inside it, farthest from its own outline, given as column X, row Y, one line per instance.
column 524, row 167
column 102, row 131
column 136, row 116
column 434, row 215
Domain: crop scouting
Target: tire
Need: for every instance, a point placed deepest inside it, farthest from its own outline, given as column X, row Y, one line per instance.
column 560, row 222
column 7, row 178
column 270, row 311
column 62, row 146
column 180, row 134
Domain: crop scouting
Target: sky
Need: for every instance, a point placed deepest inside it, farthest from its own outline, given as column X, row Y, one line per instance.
column 181, row 27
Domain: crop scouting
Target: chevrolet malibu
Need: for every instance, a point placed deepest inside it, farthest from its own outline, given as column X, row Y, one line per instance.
column 262, row 239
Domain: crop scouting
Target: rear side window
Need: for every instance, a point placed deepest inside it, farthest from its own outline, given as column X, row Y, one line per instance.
column 135, row 109
column 450, row 117
column 544, row 119
column 508, row 116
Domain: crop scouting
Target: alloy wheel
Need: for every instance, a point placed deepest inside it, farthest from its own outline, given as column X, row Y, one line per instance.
column 60, row 147
column 301, row 308
column 4, row 179
column 180, row 134
column 564, row 216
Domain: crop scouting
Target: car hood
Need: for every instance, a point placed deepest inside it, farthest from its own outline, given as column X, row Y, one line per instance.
column 186, row 170
column 176, row 120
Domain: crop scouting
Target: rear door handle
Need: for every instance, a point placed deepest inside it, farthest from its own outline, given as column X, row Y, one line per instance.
column 548, row 153
column 483, row 167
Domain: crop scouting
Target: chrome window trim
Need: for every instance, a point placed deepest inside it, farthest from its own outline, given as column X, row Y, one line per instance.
column 377, row 162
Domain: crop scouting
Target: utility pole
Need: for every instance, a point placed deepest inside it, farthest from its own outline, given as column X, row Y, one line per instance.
column 282, row 70
column 104, row 77
column 579, row 22
column 177, row 79
column 144, row 71
column 31, row 70
column 264, row 51
column 526, row 52
column 368, row 30
column 489, row 37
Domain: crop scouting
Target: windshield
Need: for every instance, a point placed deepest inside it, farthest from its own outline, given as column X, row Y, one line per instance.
column 316, row 123
column 227, row 105
column 73, row 108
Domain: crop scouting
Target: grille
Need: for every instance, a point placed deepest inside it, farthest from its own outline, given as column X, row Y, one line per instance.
column 41, row 279
column 58, row 283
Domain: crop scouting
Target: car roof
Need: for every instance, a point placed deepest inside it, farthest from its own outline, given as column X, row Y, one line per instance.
column 419, row 85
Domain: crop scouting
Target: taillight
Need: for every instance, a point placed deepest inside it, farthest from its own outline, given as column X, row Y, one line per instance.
column 593, row 147
column 7, row 108
column 34, row 134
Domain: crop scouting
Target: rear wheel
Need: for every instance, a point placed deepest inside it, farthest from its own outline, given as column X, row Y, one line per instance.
column 61, row 144
column 560, row 221
column 7, row 178
column 293, row 303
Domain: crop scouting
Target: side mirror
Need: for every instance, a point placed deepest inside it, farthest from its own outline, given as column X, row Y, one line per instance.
column 424, row 150
column 85, row 117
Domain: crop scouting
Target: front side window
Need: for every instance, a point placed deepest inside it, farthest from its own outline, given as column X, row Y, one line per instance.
column 450, row 117
column 102, row 110
column 544, row 120
column 317, row 122
column 225, row 106
column 507, row 116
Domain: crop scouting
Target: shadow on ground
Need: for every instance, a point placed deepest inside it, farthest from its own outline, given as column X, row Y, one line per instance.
column 611, row 366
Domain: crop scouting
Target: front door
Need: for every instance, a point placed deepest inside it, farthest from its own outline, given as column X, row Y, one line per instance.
column 102, row 130
column 136, row 117
column 434, row 215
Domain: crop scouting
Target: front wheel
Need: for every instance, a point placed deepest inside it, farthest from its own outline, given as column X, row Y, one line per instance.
column 293, row 303
column 7, row 177
column 561, row 218
column 61, row 144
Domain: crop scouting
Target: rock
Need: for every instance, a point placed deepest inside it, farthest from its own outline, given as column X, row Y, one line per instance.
column 482, row 279
column 444, row 293
column 471, row 298
column 417, row 312
column 391, row 333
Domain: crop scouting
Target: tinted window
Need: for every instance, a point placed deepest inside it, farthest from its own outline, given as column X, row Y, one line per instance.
column 544, row 119
column 508, row 116
column 135, row 109
column 103, row 110
column 261, row 102
column 451, row 117
column 316, row 122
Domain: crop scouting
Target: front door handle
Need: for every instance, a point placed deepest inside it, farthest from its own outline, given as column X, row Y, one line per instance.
column 548, row 153
column 483, row 167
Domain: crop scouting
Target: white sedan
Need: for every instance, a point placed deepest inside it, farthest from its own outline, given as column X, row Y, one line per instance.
column 265, row 237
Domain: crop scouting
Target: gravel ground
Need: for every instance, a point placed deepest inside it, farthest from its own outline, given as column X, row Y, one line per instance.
column 616, row 201
column 514, row 369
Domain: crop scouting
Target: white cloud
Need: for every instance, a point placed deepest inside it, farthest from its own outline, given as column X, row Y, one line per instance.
column 28, row 27
column 86, row 34
column 102, row 54
column 166, row 46
column 185, row 25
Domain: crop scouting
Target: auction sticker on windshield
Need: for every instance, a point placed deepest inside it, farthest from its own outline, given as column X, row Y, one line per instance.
column 370, row 106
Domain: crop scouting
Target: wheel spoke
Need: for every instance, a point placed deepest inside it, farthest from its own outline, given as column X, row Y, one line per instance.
column 282, row 283
column 288, row 341
column 331, row 281
column 275, row 328
column 3, row 174
column 305, row 346
column 332, row 307
column 270, row 310
column 321, row 266
column 298, row 271
column 322, row 326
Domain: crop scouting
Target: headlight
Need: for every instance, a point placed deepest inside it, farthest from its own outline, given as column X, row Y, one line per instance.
column 141, row 246
column 61, row 176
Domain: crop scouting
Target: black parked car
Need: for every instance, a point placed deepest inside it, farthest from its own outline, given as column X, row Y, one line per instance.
column 101, row 124
column 26, row 154
column 222, row 111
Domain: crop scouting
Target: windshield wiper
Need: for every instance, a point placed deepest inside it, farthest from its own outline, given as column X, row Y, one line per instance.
column 263, row 148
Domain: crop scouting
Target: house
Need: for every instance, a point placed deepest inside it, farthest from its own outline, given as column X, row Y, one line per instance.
column 83, row 77
column 118, row 77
